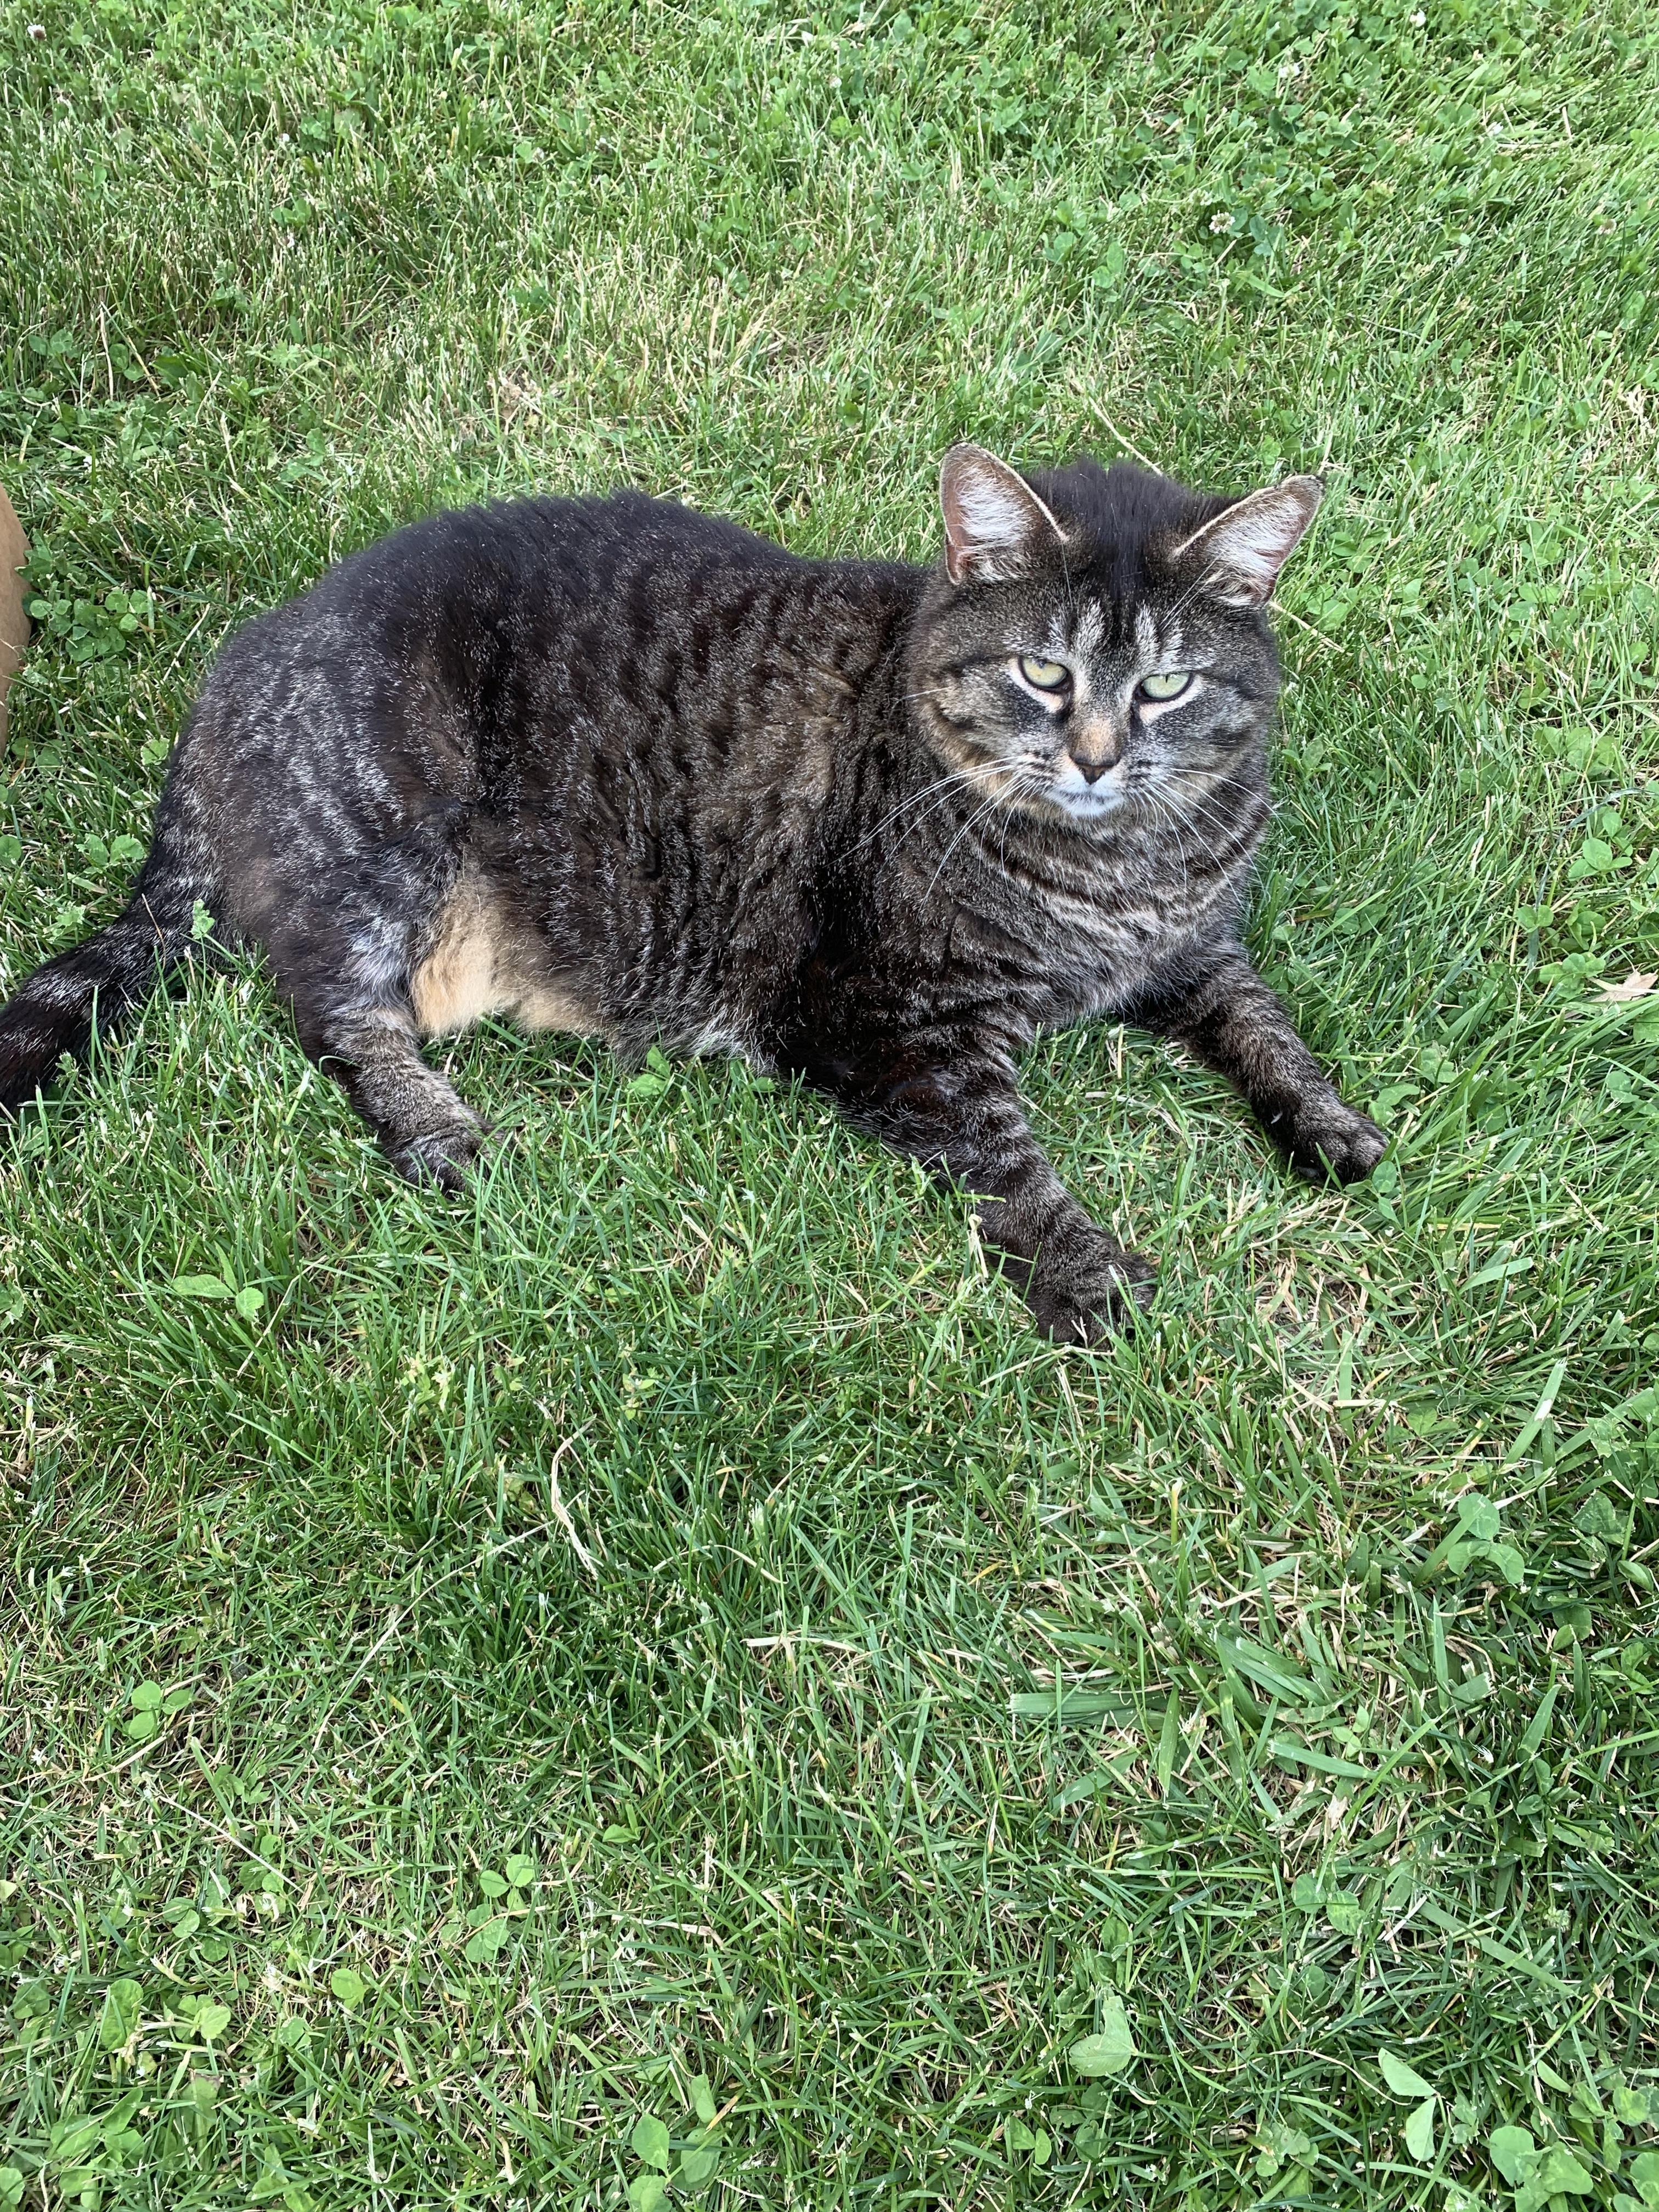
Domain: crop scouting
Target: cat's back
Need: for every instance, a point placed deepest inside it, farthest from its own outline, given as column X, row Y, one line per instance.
column 606, row 605
column 507, row 571
column 505, row 651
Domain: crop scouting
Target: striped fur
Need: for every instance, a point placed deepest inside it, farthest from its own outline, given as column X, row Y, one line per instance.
column 612, row 765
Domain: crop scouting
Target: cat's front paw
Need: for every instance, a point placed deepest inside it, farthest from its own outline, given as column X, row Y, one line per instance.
column 1090, row 1294
column 1332, row 1142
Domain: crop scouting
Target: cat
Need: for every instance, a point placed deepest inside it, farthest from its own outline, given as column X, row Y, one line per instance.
column 612, row 767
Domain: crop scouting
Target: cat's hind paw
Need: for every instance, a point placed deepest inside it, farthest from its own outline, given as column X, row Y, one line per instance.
column 442, row 1156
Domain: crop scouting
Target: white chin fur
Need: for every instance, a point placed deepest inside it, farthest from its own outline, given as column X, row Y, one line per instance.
column 1087, row 804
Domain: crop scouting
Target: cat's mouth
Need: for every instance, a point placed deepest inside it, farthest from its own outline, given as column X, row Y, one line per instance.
column 1088, row 802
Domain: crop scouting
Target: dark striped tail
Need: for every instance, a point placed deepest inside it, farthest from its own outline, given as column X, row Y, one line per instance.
column 94, row 986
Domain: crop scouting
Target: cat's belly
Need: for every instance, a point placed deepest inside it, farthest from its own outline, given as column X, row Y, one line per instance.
column 479, row 965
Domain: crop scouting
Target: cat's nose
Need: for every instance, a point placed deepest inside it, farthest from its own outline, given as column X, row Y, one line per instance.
column 1095, row 747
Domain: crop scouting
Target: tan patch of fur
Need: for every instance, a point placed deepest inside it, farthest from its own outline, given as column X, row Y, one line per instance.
column 477, row 967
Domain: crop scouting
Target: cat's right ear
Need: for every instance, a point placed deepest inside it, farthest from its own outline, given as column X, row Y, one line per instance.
column 996, row 528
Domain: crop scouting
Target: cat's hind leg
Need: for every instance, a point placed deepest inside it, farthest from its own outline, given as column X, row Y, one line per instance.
column 350, row 956
column 426, row 1129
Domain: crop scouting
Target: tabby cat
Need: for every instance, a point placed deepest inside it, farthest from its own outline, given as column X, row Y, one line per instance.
column 611, row 767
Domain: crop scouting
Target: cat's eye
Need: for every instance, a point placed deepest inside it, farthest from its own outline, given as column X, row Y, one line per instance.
column 1044, row 675
column 1166, row 683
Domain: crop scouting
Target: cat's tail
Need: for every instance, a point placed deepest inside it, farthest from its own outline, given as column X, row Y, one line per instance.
column 95, row 986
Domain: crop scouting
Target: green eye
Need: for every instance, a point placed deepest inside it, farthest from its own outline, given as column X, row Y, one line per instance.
column 1044, row 675
column 1168, row 683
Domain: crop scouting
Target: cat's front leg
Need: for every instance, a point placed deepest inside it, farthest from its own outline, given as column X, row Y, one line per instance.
column 1222, row 1011
column 955, row 1107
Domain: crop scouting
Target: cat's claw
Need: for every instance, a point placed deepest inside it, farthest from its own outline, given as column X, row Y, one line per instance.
column 1336, row 1145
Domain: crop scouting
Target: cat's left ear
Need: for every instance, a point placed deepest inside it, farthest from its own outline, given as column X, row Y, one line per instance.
column 1239, row 554
column 996, row 528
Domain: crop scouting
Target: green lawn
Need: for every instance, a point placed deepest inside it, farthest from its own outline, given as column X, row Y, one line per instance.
column 654, row 1664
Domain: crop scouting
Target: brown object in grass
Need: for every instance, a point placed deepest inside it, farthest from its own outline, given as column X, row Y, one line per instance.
column 14, row 616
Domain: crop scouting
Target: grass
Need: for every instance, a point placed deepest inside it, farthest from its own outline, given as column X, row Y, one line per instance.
column 653, row 1668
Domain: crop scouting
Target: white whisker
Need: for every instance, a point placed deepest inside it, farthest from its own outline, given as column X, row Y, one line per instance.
column 995, row 799
column 928, row 790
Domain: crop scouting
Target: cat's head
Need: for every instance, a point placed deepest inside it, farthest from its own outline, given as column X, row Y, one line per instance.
column 1094, row 639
